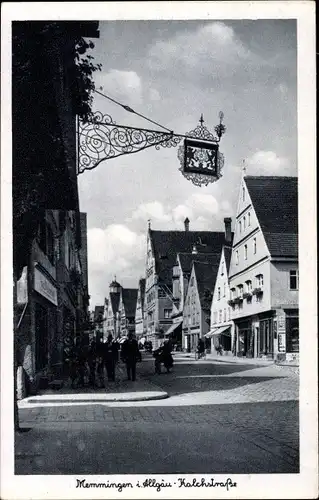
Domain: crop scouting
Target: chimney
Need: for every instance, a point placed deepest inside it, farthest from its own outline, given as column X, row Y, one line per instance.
column 186, row 224
column 227, row 222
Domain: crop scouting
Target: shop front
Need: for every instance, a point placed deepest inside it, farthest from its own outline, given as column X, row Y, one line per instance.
column 245, row 339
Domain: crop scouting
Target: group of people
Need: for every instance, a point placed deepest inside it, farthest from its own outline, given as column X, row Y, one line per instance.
column 94, row 361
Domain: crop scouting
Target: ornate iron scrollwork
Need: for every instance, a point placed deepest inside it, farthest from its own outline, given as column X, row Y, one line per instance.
column 102, row 139
column 201, row 161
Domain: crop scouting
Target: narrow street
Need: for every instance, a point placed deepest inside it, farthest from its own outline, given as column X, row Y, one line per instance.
column 220, row 417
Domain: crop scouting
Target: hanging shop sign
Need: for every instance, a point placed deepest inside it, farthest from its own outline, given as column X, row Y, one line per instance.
column 44, row 287
column 100, row 139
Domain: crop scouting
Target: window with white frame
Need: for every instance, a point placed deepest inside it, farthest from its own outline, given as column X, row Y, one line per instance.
column 218, row 293
column 229, row 313
column 245, row 252
column 248, row 286
column 237, row 257
column 167, row 313
column 215, row 316
column 220, row 316
column 249, row 219
column 239, row 225
column 259, row 280
column 255, row 245
column 240, row 290
column 244, row 193
column 244, row 222
column 233, row 293
column 224, row 290
column 293, row 279
column 225, row 319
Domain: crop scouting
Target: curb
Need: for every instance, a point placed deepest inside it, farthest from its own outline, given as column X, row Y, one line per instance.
column 92, row 398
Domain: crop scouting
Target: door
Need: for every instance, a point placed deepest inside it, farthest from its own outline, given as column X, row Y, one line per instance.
column 292, row 333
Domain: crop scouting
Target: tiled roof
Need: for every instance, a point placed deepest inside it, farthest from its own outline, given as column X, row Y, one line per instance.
column 115, row 300
column 206, row 277
column 187, row 259
column 98, row 312
column 275, row 200
column 141, row 285
column 129, row 297
column 227, row 253
column 167, row 244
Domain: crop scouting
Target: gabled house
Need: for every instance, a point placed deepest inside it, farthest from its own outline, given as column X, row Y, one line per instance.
column 162, row 250
column 221, row 324
column 139, row 313
column 112, row 321
column 263, row 272
column 126, row 312
column 196, row 313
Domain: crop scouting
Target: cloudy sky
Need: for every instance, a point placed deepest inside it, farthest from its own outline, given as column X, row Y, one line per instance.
column 172, row 72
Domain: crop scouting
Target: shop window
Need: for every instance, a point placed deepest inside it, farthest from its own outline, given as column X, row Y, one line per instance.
column 293, row 279
column 292, row 333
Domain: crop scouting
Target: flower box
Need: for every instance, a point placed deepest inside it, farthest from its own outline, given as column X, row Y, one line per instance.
column 238, row 300
column 257, row 291
column 231, row 302
column 247, row 295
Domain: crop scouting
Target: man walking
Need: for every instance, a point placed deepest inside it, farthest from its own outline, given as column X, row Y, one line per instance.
column 130, row 356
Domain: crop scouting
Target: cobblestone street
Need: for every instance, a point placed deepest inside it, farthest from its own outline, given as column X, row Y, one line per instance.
column 219, row 417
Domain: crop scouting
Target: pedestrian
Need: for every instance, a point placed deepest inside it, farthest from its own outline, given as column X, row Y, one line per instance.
column 110, row 357
column 130, row 355
column 99, row 369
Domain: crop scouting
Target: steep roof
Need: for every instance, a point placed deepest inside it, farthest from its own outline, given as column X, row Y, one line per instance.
column 167, row 244
column 129, row 297
column 115, row 300
column 227, row 253
column 275, row 200
column 187, row 259
column 141, row 285
column 98, row 312
column 206, row 274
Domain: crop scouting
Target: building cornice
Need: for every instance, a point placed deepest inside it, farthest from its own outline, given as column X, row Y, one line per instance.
column 243, row 271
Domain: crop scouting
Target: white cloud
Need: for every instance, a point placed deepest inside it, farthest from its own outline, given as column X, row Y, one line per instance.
column 125, row 85
column 267, row 163
column 208, row 45
column 153, row 210
column 154, row 95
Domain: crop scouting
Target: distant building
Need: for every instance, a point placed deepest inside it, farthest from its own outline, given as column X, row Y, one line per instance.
column 98, row 323
column 264, row 277
column 221, row 325
column 112, row 318
column 196, row 312
column 140, row 324
column 127, row 309
column 162, row 250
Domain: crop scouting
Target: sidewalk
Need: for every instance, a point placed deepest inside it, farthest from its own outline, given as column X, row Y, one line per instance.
column 120, row 390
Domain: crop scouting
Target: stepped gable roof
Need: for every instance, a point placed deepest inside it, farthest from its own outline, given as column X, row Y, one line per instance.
column 141, row 285
column 275, row 200
column 167, row 244
column 187, row 259
column 227, row 253
column 129, row 297
column 115, row 300
column 98, row 313
column 206, row 274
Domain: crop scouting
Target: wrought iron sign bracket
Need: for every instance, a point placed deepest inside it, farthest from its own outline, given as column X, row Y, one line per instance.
column 100, row 139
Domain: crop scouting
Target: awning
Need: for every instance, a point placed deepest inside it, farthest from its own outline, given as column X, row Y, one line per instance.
column 219, row 331
column 173, row 327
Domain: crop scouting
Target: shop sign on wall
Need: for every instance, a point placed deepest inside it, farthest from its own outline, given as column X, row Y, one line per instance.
column 281, row 323
column 281, row 342
column 43, row 286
